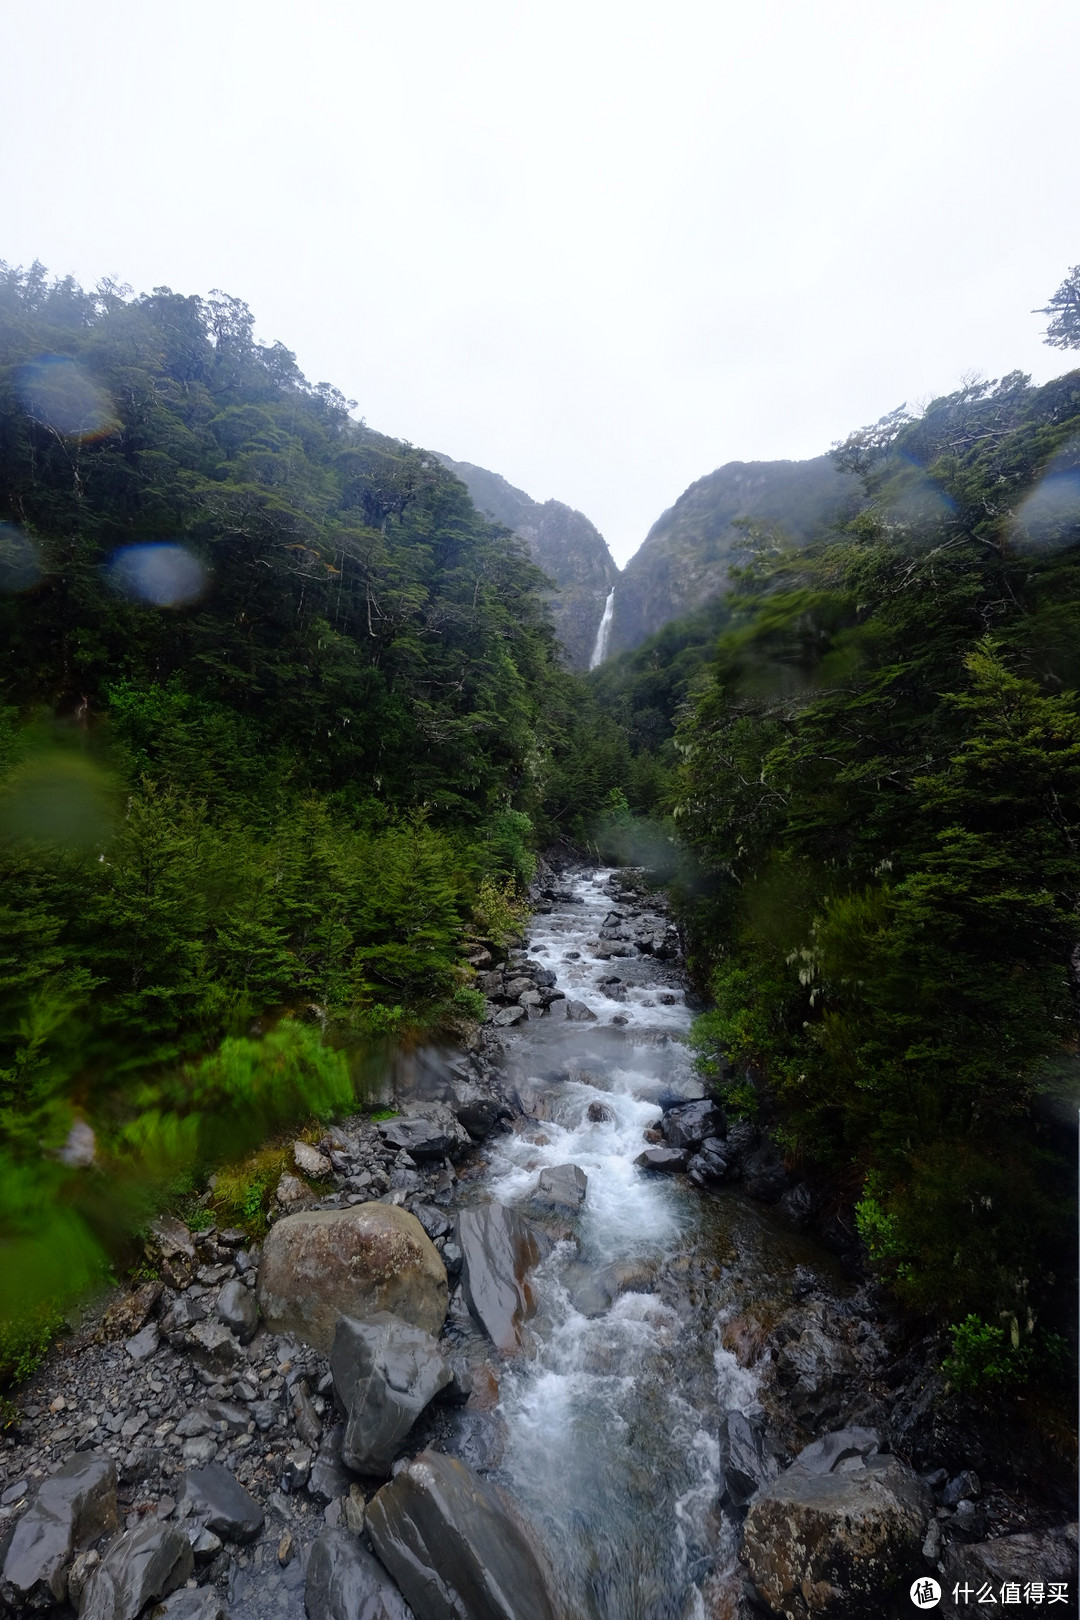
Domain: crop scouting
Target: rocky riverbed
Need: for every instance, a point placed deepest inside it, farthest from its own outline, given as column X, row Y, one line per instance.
column 558, row 1340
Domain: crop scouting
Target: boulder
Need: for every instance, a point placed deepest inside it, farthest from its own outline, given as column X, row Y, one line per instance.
column 839, row 1452
column 746, row 1462
column 498, row 1250
column 238, row 1309
column 509, row 1015
column 688, row 1126
column 764, row 1176
column 475, row 1110
column 429, row 1133
column 221, row 1503
column 1016, row 1559
column 310, row 1162
column 579, row 1013
column 72, row 1509
column 561, row 1187
column 201, row 1603
column 143, row 1566
column 214, row 1347
column 593, row 1292
column 125, row 1316
column 455, row 1552
column 385, row 1373
column 836, row 1543
column 345, row 1583
column 814, row 1370
column 322, row 1264
column 662, row 1158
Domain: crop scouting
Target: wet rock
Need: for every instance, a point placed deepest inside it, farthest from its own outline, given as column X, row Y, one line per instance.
column 345, row 1583
column 797, row 1206
column 310, row 1162
column 741, row 1139
column 238, row 1308
column 453, row 1549
column 836, row 1543
column 323, row 1264
column 328, row 1479
column 599, row 1113
column 561, row 1187
column 593, row 1292
column 72, row 1509
column 201, row 1603
column 296, row 1469
column 433, row 1133
column 764, row 1176
column 289, row 1190
column 816, row 1372
column 663, row 1158
column 172, row 1248
column 746, row 1462
column 475, row 1110
column 214, row 1347
column 385, row 1373
column 964, row 1484
column 126, row 1316
column 498, row 1251
column 579, row 1013
column 688, row 1125
column 144, row 1565
column 839, row 1452
column 1016, row 1559
column 213, row 1495
column 708, row 1167
column 506, row 1016
column 307, row 1420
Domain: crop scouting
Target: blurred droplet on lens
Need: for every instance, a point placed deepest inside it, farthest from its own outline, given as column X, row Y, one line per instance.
column 57, row 798
column 161, row 573
column 58, row 392
column 1049, row 518
column 20, row 566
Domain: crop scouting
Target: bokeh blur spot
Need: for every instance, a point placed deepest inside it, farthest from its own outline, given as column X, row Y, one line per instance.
column 20, row 565
column 57, row 797
column 1049, row 518
column 56, row 391
column 161, row 573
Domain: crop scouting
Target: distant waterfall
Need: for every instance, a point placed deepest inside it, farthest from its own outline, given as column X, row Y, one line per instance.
column 603, row 635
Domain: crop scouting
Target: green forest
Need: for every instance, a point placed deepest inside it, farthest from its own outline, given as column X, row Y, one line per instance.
column 285, row 725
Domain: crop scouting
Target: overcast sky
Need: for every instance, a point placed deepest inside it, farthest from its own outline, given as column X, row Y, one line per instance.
column 599, row 248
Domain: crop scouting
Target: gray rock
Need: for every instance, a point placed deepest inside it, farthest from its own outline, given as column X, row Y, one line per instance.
column 965, row 1484
column 689, row 1125
column 238, row 1308
column 507, row 1016
column 1029, row 1557
column 385, row 1373
column 579, row 1013
column 593, row 1292
column 431, row 1133
column 474, row 1109
column 746, row 1463
column 328, row 1479
column 498, row 1250
column 202, row 1603
column 839, row 1451
column 323, row 1264
column 144, row 1565
column 142, row 1345
column 307, row 1420
column 345, row 1583
column 222, row 1503
column 296, row 1469
column 599, row 1113
column 662, row 1158
column 561, row 1187
column 836, row 1543
column 73, row 1508
column 764, row 1176
column 453, row 1549
column 310, row 1162
column 816, row 1371
column 741, row 1139
column 797, row 1205
column 214, row 1348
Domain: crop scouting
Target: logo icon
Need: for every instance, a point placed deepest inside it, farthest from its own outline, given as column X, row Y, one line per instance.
column 925, row 1592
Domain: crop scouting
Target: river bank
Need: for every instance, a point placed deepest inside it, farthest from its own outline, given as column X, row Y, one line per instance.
column 642, row 1380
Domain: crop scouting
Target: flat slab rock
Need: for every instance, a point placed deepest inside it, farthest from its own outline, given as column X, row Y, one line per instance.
column 452, row 1547
column 345, row 1583
column 72, row 1509
column 221, row 1502
column 498, row 1252
column 322, row 1264
column 145, row 1565
column 836, row 1543
column 385, row 1373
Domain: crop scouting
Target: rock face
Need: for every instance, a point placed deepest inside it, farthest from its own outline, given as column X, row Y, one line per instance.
column 345, row 1583
column 322, row 1264
column 72, row 1509
column 836, row 1542
column 498, row 1251
column 385, row 1373
column 144, row 1565
column 453, row 1549
column 563, row 543
column 684, row 559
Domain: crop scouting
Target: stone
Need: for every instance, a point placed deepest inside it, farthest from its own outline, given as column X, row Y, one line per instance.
column 322, row 1264
column 172, row 1249
column 238, row 1308
column 561, row 1187
column 506, row 1016
column 764, row 1176
column 385, row 1373
column 688, row 1126
column 797, row 1206
column 841, row 1450
column 214, row 1348
column 594, row 1291
column 816, row 1373
column 213, row 1495
column 662, row 1158
column 328, row 1479
column 836, row 1543
column 475, row 1110
column 745, row 1462
column 432, row 1132
column 145, row 1565
column 599, row 1113
column 1046, row 1557
column 498, row 1250
column 454, row 1551
column 307, row 1420
column 289, row 1190
column 579, row 1013
column 142, row 1345
column 127, row 1315
column 965, row 1484
column 72, row 1509
column 296, row 1469
column 310, row 1162
column 200, row 1603
column 345, row 1583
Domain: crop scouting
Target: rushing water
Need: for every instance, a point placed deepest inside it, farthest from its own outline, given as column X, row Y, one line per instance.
column 613, row 1420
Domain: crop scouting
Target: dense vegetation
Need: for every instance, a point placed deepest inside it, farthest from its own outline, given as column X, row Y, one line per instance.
column 280, row 707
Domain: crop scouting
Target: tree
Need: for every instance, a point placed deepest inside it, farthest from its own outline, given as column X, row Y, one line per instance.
column 1064, row 311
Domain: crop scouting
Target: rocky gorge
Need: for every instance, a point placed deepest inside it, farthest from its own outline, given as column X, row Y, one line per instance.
column 557, row 1339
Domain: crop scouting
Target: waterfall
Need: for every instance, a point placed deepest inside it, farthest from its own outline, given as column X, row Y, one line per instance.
column 603, row 634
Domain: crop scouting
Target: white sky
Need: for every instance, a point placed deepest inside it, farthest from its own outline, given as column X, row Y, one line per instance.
column 598, row 247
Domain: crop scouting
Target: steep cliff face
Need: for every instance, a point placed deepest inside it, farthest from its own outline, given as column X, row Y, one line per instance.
column 685, row 557
column 562, row 542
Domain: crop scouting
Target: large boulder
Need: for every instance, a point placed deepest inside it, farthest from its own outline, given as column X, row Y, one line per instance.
column 72, row 1509
column 836, row 1543
column 498, row 1251
column 345, row 1583
column 385, row 1373
column 217, row 1500
column 428, row 1132
column 322, row 1264
column 453, row 1549
column 561, row 1187
column 689, row 1125
column 594, row 1289
column 145, row 1565
column 746, row 1460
